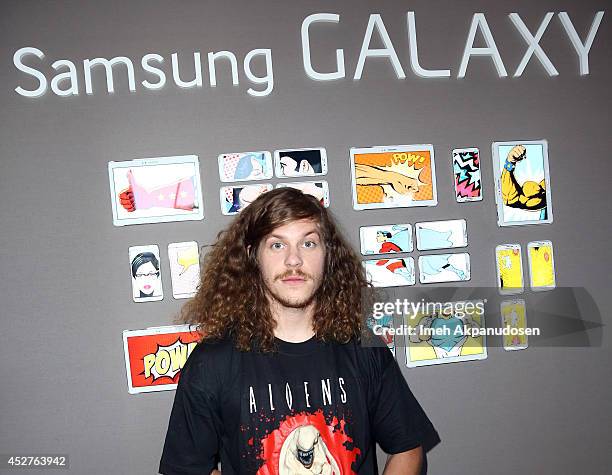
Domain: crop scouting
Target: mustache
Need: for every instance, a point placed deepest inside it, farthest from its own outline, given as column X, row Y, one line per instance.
column 297, row 273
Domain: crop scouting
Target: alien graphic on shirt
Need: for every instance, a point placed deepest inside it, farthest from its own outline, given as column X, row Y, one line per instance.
column 304, row 452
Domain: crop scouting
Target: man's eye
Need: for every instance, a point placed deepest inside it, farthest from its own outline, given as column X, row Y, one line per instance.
column 310, row 244
column 277, row 245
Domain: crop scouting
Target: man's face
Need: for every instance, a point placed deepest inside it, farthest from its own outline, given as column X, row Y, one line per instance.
column 291, row 261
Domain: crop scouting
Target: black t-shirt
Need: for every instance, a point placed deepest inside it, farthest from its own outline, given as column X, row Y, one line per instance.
column 311, row 407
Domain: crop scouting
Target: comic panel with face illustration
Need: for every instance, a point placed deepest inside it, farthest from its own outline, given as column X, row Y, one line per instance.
column 447, row 332
column 235, row 198
column 522, row 182
column 393, row 177
column 245, row 166
column 300, row 162
column 155, row 190
column 146, row 273
column 385, row 239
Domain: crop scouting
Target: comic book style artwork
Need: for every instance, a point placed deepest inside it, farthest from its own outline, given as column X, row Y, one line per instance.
column 235, row 198
column 522, row 182
column 441, row 234
column 300, row 162
column 318, row 189
column 155, row 190
column 245, row 166
column 466, row 170
column 154, row 357
column 385, row 321
column 509, row 267
column 447, row 333
column 145, row 272
column 385, row 239
column 393, row 176
column 184, row 260
column 541, row 265
column 390, row 272
column 435, row 268
column 514, row 316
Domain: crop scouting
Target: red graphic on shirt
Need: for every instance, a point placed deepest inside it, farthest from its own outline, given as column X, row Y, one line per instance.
column 305, row 444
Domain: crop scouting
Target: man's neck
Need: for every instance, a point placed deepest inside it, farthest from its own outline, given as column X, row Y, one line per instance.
column 293, row 325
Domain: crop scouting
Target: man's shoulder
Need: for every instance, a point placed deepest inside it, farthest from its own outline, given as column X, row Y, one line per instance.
column 211, row 349
column 372, row 353
column 209, row 363
column 211, row 355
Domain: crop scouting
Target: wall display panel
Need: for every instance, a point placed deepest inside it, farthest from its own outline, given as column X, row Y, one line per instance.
column 385, row 239
column 245, row 166
column 236, row 198
column 155, row 190
column 467, row 177
column 155, row 356
column 184, row 260
column 434, row 268
column 146, row 273
column 514, row 319
column 448, row 336
column 300, row 162
column 390, row 272
column 393, row 177
column 522, row 182
column 441, row 234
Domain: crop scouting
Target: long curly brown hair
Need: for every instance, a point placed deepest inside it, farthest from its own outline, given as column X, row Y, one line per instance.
column 231, row 298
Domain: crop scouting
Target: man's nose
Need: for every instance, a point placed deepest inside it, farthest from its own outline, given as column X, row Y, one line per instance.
column 294, row 257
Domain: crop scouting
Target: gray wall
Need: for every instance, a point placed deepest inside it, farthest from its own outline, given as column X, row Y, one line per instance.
column 65, row 285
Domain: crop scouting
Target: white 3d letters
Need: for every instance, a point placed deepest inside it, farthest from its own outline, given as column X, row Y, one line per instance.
column 146, row 59
column 387, row 52
column 414, row 54
column 534, row 44
column 70, row 75
column 479, row 21
column 581, row 49
column 339, row 73
column 155, row 71
column 42, row 80
column 268, row 79
column 88, row 64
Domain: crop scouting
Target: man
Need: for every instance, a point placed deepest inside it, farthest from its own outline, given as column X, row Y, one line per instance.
column 281, row 377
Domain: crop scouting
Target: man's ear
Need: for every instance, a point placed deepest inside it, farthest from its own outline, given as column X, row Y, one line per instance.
column 251, row 252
